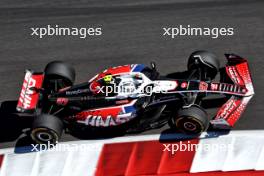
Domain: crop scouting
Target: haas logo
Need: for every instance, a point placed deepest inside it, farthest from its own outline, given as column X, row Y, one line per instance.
column 103, row 122
column 26, row 92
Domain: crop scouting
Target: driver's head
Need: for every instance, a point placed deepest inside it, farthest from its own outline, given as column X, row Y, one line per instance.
column 108, row 78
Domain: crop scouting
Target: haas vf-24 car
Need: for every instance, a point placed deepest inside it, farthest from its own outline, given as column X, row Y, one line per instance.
column 136, row 97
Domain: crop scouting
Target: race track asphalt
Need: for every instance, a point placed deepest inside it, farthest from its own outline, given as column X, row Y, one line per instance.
column 132, row 33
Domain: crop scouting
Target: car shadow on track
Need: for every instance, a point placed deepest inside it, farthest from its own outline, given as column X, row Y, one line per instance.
column 11, row 125
column 170, row 135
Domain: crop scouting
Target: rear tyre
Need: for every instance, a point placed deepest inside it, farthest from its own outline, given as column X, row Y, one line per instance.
column 46, row 129
column 59, row 75
column 191, row 120
column 206, row 62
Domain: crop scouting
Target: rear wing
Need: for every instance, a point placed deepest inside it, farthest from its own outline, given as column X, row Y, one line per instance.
column 237, row 70
column 29, row 94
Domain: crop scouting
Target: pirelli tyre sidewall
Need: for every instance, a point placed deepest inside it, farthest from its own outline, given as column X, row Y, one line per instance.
column 46, row 129
column 192, row 120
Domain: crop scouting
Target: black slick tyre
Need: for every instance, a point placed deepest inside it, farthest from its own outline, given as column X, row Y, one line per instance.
column 192, row 120
column 46, row 129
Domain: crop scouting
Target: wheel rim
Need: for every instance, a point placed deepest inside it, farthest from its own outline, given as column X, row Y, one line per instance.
column 189, row 125
column 44, row 135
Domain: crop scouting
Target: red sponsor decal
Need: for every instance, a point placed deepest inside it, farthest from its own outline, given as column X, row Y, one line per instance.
column 184, row 85
column 62, row 101
column 233, row 74
column 29, row 96
column 214, row 86
column 203, row 86
column 228, row 108
column 244, row 72
column 236, row 114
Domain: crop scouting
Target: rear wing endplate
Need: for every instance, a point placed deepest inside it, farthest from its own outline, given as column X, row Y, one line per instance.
column 29, row 95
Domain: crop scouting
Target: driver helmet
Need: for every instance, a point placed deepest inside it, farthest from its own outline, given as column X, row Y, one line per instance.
column 108, row 78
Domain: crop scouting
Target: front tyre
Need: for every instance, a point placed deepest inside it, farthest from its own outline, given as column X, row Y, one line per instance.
column 192, row 120
column 46, row 129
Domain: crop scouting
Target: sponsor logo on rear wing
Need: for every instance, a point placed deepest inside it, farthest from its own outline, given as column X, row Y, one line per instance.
column 238, row 71
column 29, row 95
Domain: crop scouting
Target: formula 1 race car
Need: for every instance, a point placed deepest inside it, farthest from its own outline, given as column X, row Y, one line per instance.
column 136, row 97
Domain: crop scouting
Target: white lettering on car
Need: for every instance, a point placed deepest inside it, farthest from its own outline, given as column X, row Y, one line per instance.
column 26, row 92
column 104, row 122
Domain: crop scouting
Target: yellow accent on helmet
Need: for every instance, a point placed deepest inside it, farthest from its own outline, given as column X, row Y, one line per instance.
column 108, row 78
